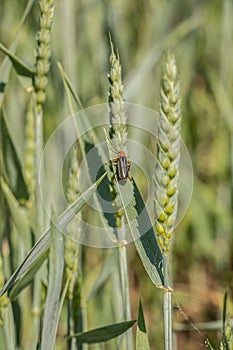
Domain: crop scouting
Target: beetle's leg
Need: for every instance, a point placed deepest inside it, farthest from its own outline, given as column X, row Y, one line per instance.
column 109, row 163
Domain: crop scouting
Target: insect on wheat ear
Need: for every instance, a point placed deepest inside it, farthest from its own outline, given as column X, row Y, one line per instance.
column 123, row 166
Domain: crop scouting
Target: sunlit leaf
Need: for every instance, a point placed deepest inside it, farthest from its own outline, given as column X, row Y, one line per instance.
column 103, row 334
column 140, row 225
column 142, row 341
column 26, row 279
column 90, row 142
column 52, row 306
column 70, row 91
column 142, row 231
column 18, row 213
column 43, row 243
column 12, row 160
column 6, row 63
column 104, row 274
column 20, row 67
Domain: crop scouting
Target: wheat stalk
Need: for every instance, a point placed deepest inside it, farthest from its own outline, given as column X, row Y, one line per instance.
column 118, row 135
column 72, row 254
column 42, row 66
column 166, row 176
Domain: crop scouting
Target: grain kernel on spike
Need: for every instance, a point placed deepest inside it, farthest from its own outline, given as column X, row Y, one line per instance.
column 160, row 229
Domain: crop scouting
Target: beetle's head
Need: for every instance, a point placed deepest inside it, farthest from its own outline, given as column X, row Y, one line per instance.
column 121, row 154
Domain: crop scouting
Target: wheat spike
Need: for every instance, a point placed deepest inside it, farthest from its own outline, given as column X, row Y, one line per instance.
column 168, row 153
column 43, row 51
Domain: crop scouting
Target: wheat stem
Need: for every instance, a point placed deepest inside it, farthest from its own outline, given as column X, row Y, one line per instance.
column 166, row 176
column 118, row 135
column 42, row 66
column 72, row 254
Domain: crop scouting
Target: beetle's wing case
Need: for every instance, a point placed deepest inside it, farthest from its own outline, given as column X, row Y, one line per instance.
column 122, row 167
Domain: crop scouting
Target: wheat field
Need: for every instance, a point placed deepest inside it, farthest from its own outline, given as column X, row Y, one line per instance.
column 60, row 58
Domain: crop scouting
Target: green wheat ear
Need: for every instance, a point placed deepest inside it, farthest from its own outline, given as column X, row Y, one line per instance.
column 168, row 153
column 43, row 51
column 118, row 117
column 29, row 163
column 73, row 229
column 117, row 128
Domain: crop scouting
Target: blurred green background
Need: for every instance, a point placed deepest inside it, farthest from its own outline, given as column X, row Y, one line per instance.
column 201, row 35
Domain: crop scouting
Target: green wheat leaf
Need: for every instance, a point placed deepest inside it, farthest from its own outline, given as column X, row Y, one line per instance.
column 10, row 149
column 87, row 142
column 26, row 279
column 18, row 213
column 142, row 231
column 52, row 307
column 6, row 64
column 142, row 341
column 104, row 274
column 103, row 334
column 20, row 67
column 43, row 243
column 140, row 226
column 9, row 328
column 70, row 91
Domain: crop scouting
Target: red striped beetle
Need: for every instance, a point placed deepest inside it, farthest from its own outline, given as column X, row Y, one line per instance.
column 123, row 166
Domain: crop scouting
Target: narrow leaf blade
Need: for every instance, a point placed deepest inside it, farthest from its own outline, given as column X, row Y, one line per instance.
column 20, row 67
column 142, row 341
column 52, row 307
column 26, row 279
column 43, row 243
column 9, row 328
column 104, row 274
column 19, row 215
column 89, row 141
column 10, row 151
column 6, row 64
column 140, row 226
column 103, row 334
column 142, row 231
column 70, row 91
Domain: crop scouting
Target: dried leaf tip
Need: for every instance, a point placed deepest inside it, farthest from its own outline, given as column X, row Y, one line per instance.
column 168, row 153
